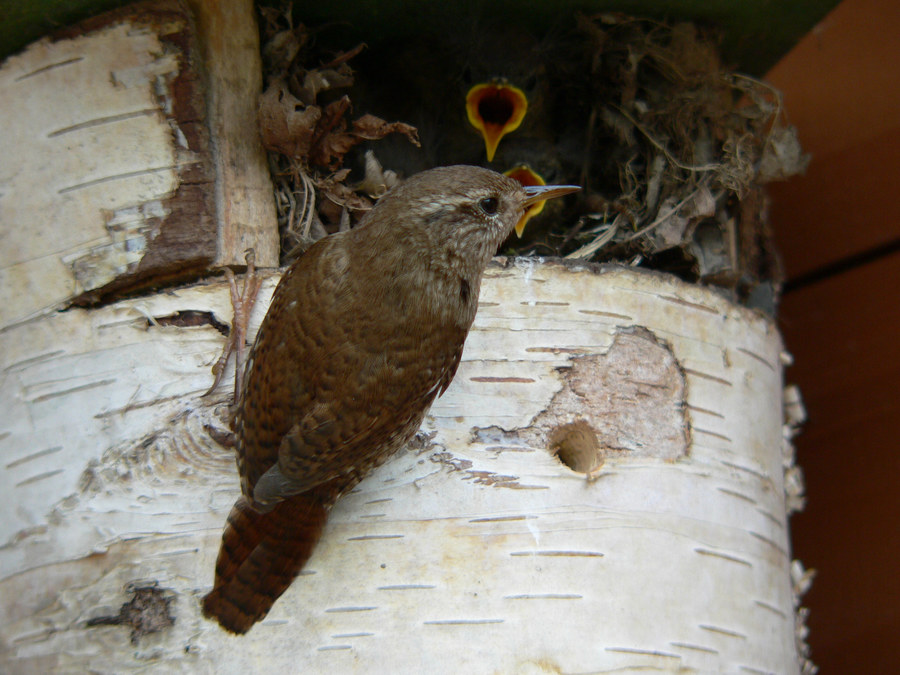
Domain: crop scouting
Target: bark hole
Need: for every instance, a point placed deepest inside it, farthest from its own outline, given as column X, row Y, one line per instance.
column 576, row 445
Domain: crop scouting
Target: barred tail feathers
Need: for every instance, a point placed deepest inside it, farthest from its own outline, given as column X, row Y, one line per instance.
column 260, row 555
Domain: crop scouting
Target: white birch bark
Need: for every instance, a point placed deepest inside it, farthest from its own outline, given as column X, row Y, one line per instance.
column 475, row 551
column 107, row 180
column 88, row 161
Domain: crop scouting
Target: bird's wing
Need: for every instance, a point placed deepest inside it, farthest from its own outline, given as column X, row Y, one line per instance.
column 347, row 435
column 283, row 366
column 336, row 394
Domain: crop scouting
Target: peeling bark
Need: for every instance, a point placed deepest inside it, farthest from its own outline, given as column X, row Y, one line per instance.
column 115, row 186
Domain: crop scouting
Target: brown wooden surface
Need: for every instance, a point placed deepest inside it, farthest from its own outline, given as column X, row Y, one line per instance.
column 244, row 197
column 844, row 333
column 841, row 90
column 839, row 232
column 842, row 206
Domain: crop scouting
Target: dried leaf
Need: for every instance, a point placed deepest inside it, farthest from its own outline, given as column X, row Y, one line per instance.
column 333, row 141
column 341, row 175
column 372, row 128
column 316, row 81
column 342, row 195
column 282, row 41
column 343, row 57
column 286, row 124
column 333, row 116
column 283, row 48
column 334, row 75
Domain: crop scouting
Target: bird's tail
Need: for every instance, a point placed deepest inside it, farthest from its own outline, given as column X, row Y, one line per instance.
column 261, row 553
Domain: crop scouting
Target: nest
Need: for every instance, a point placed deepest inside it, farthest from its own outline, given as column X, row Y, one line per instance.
column 671, row 147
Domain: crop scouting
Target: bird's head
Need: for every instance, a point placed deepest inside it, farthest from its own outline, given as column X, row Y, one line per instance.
column 458, row 215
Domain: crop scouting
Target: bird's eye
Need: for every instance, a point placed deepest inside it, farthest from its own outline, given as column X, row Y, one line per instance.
column 489, row 205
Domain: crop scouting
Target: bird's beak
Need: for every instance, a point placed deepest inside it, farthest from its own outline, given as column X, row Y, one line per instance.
column 540, row 193
column 495, row 109
column 536, row 195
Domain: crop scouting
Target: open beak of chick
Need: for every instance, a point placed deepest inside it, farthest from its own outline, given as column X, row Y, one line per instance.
column 495, row 109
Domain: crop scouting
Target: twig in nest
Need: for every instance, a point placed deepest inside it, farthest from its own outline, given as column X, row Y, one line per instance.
column 663, row 149
column 779, row 103
column 308, row 209
column 588, row 250
column 663, row 217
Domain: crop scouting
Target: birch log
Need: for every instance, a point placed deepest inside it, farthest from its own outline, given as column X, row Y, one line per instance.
column 476, row 550
column 113, row 178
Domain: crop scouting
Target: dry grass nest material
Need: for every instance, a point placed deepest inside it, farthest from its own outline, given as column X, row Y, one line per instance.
column 672, row 148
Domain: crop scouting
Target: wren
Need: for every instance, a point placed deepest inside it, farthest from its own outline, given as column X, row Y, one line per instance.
column 364, row 331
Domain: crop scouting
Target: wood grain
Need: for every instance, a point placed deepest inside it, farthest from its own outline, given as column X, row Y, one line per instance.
column 244, row 196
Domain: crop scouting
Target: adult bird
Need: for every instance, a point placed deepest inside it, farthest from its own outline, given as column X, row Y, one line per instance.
column 364, row 331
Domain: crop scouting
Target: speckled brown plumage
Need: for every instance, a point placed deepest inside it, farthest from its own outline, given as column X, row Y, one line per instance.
column 364, row 332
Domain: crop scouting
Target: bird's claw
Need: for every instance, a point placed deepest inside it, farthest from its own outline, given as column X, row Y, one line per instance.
column 242, row 301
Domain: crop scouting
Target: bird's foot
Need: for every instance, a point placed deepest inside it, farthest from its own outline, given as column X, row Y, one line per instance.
column 242, row 302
